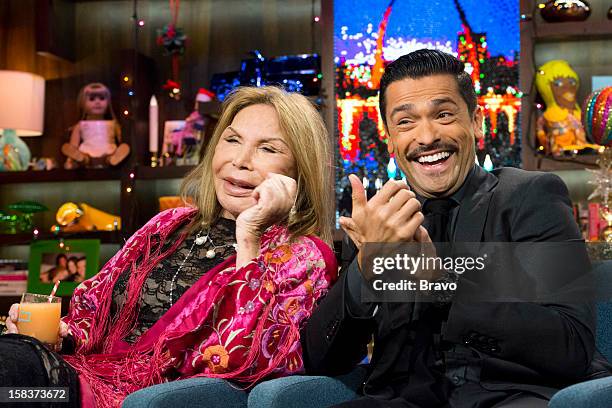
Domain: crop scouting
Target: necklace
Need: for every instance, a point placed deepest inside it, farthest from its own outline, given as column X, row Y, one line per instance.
column 210, row 254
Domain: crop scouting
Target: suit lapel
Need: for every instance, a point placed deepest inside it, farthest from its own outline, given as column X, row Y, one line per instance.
column 474, row 206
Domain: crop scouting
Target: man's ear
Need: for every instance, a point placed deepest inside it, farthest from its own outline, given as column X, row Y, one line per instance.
column 477, row 119
column 390, row 146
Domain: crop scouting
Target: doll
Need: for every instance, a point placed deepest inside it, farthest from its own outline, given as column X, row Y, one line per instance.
column 559, row 129
column 96, row 139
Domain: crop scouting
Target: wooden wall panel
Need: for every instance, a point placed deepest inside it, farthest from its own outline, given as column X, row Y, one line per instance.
column 221, row 33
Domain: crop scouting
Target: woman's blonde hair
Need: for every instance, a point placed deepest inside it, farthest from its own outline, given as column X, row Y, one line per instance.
column 307, row 137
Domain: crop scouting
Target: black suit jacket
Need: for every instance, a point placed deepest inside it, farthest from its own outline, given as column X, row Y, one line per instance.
column 520, row 346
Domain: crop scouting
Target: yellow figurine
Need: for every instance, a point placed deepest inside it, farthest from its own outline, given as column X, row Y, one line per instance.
column 82, row 217
column 559, row 129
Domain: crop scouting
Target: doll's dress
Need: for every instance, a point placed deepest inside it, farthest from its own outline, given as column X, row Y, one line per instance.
column 97, row 137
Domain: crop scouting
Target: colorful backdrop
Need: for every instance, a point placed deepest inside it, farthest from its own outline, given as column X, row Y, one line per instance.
column 371, row 33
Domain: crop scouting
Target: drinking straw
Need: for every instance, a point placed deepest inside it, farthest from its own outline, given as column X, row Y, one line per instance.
column 53, row 291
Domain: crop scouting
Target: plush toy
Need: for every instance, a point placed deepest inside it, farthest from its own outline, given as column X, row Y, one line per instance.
column 95, row 141
column 559, row 129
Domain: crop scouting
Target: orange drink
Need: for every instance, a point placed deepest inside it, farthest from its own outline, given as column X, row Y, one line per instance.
column 39, row 316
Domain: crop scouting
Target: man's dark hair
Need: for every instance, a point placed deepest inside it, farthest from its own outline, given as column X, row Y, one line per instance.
column 426, row 62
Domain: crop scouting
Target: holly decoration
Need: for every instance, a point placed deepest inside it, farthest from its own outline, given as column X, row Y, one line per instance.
column 173, row 40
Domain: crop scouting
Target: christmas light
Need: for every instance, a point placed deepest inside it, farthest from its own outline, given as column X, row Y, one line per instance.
column 316, row 19
column 361, row 135
column 488, row 163
column 391, row 168
column 141, row 23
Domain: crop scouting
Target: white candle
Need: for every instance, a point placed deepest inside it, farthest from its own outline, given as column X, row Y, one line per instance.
column 153, row 125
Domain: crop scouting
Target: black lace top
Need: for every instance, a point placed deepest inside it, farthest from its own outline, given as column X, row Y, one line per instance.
column 155, row 295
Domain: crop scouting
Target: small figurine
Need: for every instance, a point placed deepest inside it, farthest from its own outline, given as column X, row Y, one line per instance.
column 559, row 129
column 96, row 140
column 82, row 217
column 182, row 146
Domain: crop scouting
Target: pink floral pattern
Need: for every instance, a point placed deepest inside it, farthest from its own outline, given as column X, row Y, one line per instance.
column 240, row 324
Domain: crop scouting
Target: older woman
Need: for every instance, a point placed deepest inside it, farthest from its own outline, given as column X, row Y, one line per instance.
column 220, row 289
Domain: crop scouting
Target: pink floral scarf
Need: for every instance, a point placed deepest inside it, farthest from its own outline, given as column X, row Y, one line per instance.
column 240, row 324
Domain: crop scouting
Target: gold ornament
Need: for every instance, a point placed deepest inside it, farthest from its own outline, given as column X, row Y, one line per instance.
column 606, row 233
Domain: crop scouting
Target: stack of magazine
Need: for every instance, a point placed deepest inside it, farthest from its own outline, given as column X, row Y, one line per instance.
column 13, row 276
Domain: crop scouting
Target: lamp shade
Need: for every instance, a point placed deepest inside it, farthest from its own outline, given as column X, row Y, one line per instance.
column 22, row 102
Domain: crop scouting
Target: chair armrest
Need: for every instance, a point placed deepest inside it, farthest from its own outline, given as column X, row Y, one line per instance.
column 303, row 391
column 589, row 394
column 192, row 392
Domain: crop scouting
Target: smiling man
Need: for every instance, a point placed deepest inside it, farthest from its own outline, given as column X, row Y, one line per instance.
column 452, row 353
column 432, row 121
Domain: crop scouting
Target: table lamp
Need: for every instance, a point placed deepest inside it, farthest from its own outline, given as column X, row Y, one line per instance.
column 22, row 102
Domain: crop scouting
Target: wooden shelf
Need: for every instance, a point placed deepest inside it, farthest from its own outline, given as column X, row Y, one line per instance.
column 105, row 237
column 160, row 173
column 573, row 31
column 59, row 175
column 546, row 163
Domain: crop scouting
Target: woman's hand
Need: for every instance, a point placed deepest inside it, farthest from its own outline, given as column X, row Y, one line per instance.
column 13, row 317
column 11, row 320
column 274, row 198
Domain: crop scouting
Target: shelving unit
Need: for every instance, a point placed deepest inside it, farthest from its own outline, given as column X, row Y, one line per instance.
column 59, row 175
column 105, row 237
column 161, row 173
column 547, row 163
column 127, row 177
column 536, row 35
column 135, row 208
column 573, row 31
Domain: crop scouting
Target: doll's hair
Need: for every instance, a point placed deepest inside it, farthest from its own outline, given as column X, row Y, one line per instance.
column 547, row 73
column 95, row 87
